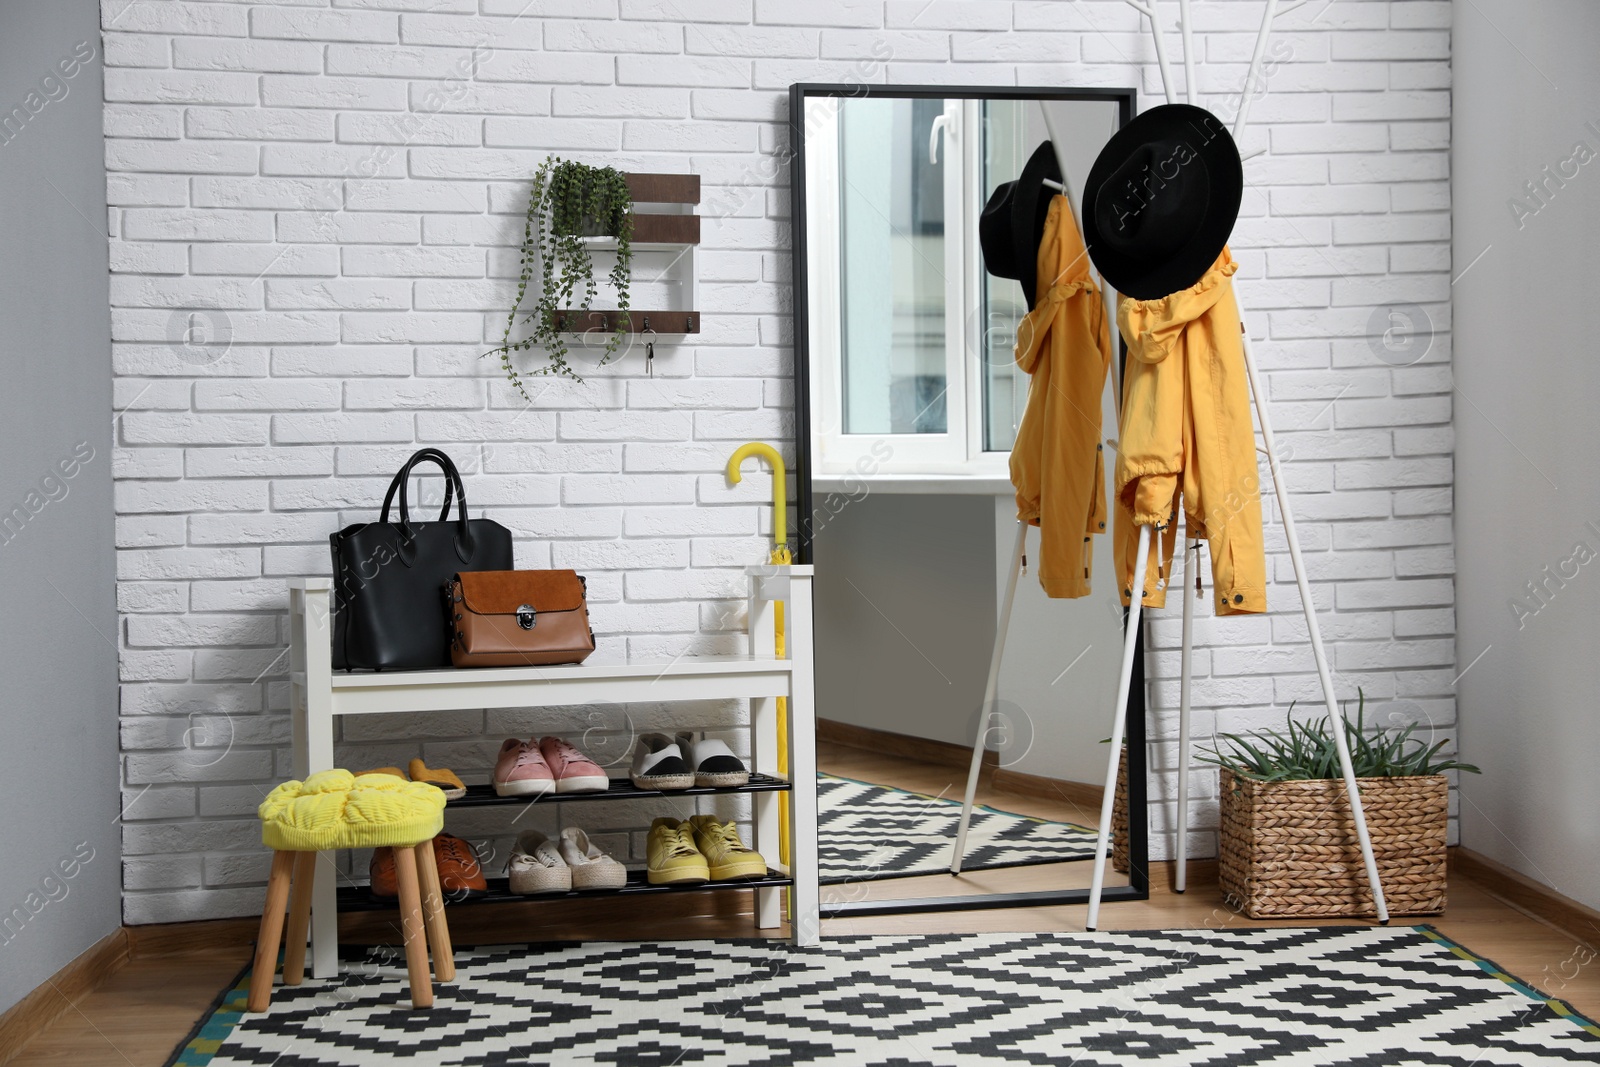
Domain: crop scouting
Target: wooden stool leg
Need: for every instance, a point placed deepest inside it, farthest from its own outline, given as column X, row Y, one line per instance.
column 271, row 930
column 444, row 961
column 294, row 941
column 405, row 869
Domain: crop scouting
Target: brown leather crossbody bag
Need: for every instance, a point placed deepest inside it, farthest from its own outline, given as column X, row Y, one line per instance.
column 518, row 618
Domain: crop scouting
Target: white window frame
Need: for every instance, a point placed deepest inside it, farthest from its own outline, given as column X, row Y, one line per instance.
column 958, row 453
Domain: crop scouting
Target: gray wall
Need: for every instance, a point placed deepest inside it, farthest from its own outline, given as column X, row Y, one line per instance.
column 909, row 587
column 60, row 881
column 1527, row 491
column 1058, row 680
column 905, row 609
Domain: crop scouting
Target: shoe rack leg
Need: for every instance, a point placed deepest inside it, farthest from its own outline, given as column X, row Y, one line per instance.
column 990, row 697
column 768, row 828
column 314, row 752
column 805, row 918
column 761, row 621
column 1119, row 722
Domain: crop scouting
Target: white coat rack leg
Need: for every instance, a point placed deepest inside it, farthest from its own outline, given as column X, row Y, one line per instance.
column 1324, row 675
column 1119, row 722
column 1335, row 716
column 990, row 696
column 1191, row 559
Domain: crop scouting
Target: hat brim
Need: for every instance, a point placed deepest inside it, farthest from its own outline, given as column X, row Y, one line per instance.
column 994, row 233
column 1153, row 277
column 1030, row 205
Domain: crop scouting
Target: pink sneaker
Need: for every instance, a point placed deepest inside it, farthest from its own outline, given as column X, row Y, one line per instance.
column 521, row 770
column 574, row 772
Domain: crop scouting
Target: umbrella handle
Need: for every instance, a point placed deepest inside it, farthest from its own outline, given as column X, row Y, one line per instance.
column 780, row 494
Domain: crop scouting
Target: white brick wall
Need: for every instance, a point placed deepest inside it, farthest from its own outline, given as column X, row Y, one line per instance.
column 334, row 190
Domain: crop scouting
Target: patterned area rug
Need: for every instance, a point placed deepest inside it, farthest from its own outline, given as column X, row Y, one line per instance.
column 867, row 831
column 1282, row 997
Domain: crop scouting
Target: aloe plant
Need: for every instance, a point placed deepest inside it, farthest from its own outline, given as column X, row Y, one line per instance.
column 1308, row 751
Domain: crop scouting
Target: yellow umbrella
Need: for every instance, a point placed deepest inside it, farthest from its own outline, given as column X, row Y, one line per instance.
column 780, row 555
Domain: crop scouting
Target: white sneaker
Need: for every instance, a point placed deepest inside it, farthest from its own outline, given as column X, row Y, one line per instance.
column 537, row 867
column 658, row 763
column 591, row 868
column 715, row 765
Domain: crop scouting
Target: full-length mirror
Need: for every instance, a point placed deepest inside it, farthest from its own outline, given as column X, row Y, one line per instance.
column 910, row 399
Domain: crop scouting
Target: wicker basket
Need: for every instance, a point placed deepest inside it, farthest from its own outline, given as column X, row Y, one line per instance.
column 1289, row 849
column 1119, row 817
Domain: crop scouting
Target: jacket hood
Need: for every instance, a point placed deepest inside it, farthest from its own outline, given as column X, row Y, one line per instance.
column 1152, row 327
column 1063, row 274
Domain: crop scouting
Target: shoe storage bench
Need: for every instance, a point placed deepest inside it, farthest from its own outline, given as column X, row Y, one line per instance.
column 319, row 696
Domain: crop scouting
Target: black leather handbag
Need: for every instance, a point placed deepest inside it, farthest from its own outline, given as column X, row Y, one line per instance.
column 389, row 577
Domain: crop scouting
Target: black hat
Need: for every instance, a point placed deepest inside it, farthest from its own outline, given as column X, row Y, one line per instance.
column 1161, row 200
column 1013, row 221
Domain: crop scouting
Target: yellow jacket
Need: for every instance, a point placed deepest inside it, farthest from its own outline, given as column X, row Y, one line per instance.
column 1186, row 431
column 1056, row 463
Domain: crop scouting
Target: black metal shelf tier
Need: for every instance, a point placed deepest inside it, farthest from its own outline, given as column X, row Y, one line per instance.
column 621, row 789
column 356, row 897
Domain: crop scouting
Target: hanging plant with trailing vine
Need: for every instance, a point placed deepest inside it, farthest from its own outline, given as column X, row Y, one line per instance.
column 568, row 202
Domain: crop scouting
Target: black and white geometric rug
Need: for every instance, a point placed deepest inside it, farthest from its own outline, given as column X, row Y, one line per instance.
column 868, row 831
column 1281, row 997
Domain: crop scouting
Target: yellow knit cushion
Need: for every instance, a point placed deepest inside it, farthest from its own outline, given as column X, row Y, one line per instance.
column 337, row 809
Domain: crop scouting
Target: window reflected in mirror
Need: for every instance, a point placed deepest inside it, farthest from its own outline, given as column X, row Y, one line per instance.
column 911, row 339
column 893, row 271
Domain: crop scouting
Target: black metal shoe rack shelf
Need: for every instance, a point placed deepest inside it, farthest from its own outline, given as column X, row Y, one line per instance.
column 358, row 898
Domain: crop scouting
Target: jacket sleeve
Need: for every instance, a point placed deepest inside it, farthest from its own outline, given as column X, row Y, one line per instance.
column 1026, row 451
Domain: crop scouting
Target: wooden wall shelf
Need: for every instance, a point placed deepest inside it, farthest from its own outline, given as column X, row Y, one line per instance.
column 568, row 320
column 672, row 227
column 666, row 229
column 663, row 188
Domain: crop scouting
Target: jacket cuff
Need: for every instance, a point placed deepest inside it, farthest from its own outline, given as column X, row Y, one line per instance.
column 1153, row 598
column 1068, row 588
column 1237, row 600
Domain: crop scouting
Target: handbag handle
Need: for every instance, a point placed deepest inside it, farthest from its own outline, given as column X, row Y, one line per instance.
column 465, row 544
column 422, row 455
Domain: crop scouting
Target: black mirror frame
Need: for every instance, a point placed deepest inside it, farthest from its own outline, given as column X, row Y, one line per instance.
column 1138, row 887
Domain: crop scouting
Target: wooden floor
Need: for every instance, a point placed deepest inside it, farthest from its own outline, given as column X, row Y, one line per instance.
column 139, row 1015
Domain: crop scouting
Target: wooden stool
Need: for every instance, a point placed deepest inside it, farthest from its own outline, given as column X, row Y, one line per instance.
column 336, row 810
column 421, row 908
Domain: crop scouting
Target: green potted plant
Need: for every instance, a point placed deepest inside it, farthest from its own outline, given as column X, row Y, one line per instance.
column 1288, row 843
column 568, row 203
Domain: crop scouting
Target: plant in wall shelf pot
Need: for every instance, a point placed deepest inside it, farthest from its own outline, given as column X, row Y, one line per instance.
column 1288, row 842
column 569, row 202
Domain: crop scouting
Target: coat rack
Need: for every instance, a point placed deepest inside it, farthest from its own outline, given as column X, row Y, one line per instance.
column 1191, row 549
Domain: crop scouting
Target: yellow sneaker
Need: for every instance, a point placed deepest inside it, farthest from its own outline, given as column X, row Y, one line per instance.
column 725, row 854
column 673, row 859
